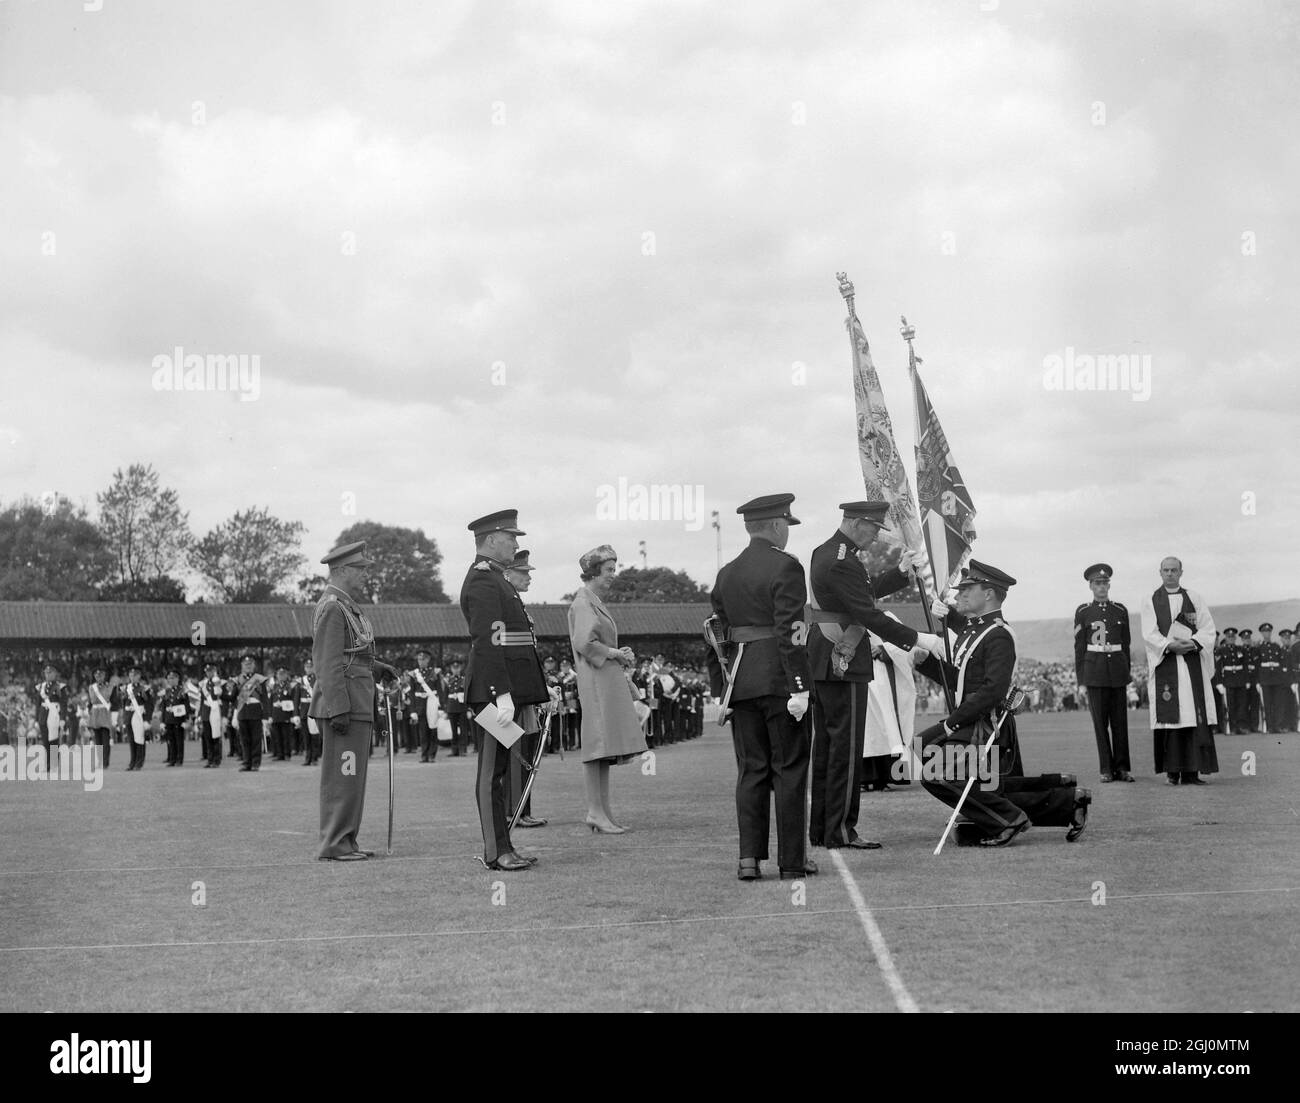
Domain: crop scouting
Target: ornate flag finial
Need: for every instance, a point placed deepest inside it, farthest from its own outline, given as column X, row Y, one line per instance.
column 846, row 287
column 907, row 331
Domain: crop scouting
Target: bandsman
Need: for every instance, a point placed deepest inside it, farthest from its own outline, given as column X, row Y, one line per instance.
column 285, row 698
column 210, row 719
column 453, row 703
column 422, row 685
column 133, row 701
column 100, row 699
column 53, row 710
column 1102, row 665
column 308, row 729
column 175, row 707
column 252, row 706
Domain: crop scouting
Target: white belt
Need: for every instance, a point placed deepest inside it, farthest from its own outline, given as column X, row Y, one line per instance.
column 1105, row 647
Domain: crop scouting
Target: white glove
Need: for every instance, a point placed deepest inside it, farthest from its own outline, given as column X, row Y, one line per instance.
column 929, row 642
column 908, row 560
column 939, row 608
column 797, row 705
column 506, row 704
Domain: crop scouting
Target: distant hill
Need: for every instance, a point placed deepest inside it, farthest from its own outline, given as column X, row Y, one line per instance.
column 1053, row 640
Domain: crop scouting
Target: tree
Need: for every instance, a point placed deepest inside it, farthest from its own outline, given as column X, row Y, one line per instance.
column 147, row 533
column 310, row 589
column 51, row 551
column 405, row 570
column 249, row 557
column 659, row 585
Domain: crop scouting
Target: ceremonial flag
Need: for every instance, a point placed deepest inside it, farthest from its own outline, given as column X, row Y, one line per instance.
column 947, row 513
column 883, row 473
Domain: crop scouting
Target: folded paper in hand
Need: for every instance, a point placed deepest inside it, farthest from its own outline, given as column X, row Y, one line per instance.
column 501, row 726
column 1179, row 631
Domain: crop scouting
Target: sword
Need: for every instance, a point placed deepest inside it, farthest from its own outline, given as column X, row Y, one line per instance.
column 711, row 635
column 532, row 767
column 388, row 708
column 1014, row 702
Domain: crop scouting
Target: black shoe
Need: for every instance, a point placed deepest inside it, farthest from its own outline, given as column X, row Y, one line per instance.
column 528, row 821
column 355, row 856
column 509, row 863
column 245, row 769
column 1080, row 819
column 1106, row 779
column 809, row 870
column 857, row 843
column 1005, row 837
column 1172, row 779
column 1193, row 781
column 748, row 870
column 1124, row 775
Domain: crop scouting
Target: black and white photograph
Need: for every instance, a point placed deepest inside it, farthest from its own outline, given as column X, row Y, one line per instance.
column 685, row 506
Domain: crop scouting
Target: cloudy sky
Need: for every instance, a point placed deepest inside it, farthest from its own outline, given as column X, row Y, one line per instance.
column 505, row 254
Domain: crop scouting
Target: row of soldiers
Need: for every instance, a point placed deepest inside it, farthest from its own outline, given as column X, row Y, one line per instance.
column 1258, row 680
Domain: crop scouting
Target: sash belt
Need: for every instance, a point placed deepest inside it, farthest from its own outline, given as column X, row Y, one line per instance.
column 1105, row 647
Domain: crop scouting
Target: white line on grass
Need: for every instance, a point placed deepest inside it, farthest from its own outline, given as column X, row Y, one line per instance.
column 897, row 988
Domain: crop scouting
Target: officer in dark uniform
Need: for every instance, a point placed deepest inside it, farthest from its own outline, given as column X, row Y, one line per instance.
column 1101, row 664
column 1293, row 666
column 758, row 602
column 422, row 684
column 524, row 753
column 1274, row 680
column 843, row 611
column 284, row 700
column 453, row 701
column 343, row 701
column 504, row 669
column 209, row 717
column 175, row 706
column 984, row 661
column 1250, row 657
column 252, row 706
column 1230, row 666
column 308, row 729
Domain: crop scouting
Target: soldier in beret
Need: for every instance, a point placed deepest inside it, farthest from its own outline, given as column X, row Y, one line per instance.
column 504, row 669
column 1102, row 666
column 343, row 701
column 758, row 605
column 842, row 612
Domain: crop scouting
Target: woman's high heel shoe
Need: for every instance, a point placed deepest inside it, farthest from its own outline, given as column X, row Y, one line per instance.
column 601, row 829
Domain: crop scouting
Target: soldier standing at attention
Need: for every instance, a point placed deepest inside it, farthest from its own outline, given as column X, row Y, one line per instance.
column 284, row 711
column 453, row 703
column 1250, row 658
column 1274, row 681
column 175, row 706
column 758, row 602
column 504, row 670
column 251, row 707
column 52, row 709
column 101, row 712
column 133, row 701
column 843, row 611
column 343, row 701
column 1101, row 665
column 308, row 728
column 519, row 575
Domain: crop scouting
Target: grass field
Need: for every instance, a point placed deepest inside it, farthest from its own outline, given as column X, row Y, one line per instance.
column 97, row 888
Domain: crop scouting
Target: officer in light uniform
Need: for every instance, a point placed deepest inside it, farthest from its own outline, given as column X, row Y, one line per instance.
column 1102, row 666
column 343, row 701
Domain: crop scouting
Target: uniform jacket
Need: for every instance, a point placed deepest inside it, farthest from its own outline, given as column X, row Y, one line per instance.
column 1102, row 644
column 251, row 700
column 278, row 692
column 840, row 584
column 452, row 685
column 57, row 694
column 502, row 655
column 764, row 587
column 1271, row 660
column 171, row 699
column 343, row 656
column 990, row 665
column 143, row 698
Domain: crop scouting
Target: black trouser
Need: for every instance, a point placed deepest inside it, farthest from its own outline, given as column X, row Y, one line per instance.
column 522, row 757
column 104, row 743
column 410, row 736
column 250, row 742
column 428, row 737
column 232, row 733
column 311, row 743
column 281, row 739
column 1238, row 709
column 839, row 733
column 1275, row 710
column 992, row 809
column 1252, row 709
column 211, row 741
column 137, row 752
column 458, row 733
column 175, row 736
column 771, row 761
column 490, row 792
column 1109, row 708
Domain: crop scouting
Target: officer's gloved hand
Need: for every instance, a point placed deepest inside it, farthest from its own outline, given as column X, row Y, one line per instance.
column 927, row 641
column 506, row 705
column 339, row 724
column 908, row 560
column 939, row 608
column 797, row 705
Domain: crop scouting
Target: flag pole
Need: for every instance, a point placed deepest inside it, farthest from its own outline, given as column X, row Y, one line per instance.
column 909, row 332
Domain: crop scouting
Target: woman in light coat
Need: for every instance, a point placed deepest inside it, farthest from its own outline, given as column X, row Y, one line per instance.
column 611, row 732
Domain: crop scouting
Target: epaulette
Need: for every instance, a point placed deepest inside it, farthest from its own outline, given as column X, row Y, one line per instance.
column 1120, row 605
column 1082, row 608
column 843, row 548
column 484, row 565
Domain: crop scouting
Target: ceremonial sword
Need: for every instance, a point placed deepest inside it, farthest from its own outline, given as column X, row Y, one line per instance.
column 543, row 735
column 711, row 636
column 1012, row 703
